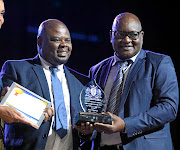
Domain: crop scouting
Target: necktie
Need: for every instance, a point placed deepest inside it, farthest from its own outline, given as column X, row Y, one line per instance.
column 60, row 120
column 116, row 90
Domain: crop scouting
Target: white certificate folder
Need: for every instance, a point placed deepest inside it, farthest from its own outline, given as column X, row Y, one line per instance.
column 29, row 104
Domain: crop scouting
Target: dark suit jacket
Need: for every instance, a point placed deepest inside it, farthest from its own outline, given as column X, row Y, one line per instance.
column 29, row 73
column 149, row 100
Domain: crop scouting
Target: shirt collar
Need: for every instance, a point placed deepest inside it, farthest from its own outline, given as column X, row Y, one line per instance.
column 116, row 59
column 46, row 64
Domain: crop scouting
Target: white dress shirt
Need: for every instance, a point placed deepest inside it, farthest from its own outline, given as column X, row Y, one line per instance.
column 54, row 142
column 114, row 138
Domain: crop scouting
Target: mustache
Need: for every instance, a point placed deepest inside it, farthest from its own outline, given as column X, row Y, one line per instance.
column 62, row 49
column 126, row 45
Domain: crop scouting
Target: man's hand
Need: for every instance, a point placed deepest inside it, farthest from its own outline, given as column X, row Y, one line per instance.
column 117, row 125
column 49, row 112
column 85, row 128
column 9, row 114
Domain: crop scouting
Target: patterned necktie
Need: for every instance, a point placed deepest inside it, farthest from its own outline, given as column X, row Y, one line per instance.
column 116, row 90
column 60, row 120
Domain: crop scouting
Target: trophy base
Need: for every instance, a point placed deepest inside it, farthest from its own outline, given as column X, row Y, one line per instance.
column 92, row 118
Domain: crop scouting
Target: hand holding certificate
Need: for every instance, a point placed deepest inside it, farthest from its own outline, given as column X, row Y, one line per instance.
column 29, row 104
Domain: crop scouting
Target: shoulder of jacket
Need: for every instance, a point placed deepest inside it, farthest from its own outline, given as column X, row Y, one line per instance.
column 84, row 79
column 152, row 55
column 19, row 61
column 105, row 61
column 155, row 57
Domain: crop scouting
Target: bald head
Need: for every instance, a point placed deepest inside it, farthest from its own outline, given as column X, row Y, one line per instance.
column 50, row 24
column 127, row 35
column 54, row 42
column 127, row 20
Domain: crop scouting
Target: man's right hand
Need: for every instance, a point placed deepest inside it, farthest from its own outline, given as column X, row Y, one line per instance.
column 9, row 114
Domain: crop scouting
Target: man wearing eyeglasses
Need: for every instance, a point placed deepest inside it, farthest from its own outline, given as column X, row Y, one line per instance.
column 141, row 89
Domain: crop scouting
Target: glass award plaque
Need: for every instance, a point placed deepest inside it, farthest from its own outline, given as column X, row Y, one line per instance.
column 93, row 103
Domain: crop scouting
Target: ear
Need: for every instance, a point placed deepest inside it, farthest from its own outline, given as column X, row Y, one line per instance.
column 142, row 33
column 39, row 41
column 141, row 37
column 110, row 34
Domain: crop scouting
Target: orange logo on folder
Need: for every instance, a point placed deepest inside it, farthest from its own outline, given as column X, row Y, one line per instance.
column 18, row 91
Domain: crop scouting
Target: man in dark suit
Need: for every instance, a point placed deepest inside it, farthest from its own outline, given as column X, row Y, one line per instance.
column 141, row 89
column 54, row 49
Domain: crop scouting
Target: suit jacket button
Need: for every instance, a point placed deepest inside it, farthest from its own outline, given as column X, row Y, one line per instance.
column 45, row 136
column 134, row 133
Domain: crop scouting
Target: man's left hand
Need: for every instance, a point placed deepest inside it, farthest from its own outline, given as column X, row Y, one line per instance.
column 85, row 128
column 117, row 125
column 48, row 113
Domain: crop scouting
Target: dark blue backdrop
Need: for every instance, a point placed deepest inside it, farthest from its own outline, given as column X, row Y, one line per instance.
column 89, row 23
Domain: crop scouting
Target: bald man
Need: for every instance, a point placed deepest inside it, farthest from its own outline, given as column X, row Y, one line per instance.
column 45, row 75
column 141, row 89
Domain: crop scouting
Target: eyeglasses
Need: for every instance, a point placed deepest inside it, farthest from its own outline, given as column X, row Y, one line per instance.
column 134, row 35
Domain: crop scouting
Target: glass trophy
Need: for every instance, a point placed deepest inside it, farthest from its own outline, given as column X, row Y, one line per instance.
column 93, row 103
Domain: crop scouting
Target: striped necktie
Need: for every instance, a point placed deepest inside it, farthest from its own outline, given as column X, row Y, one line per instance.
column 116, row 90
column 60, row 120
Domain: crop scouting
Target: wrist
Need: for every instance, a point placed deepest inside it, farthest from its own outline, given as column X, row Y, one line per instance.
column 124, row 126
column 124, row 129
column 1, row 110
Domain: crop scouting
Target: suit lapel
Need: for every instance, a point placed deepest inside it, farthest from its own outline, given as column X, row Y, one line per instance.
column 70, row 82
column 41, row 77
column 105, row 73
column 131, row 76
column 75, row 88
